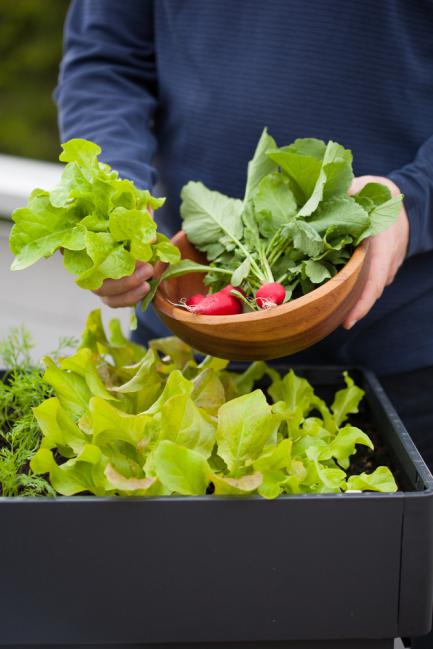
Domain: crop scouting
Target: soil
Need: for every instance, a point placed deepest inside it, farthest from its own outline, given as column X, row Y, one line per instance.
column 368, row 460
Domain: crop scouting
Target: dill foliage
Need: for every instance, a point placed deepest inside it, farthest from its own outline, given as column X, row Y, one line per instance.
column 21, row 389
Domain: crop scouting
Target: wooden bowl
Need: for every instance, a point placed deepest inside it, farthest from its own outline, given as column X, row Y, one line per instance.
column 260, row 335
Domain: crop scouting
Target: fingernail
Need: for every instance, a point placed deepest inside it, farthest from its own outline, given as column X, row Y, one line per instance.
column 351, row 324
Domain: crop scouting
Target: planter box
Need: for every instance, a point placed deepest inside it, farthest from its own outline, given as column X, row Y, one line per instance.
column 329, row 571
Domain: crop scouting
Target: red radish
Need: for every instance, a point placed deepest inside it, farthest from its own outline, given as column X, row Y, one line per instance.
column 195, row 299
column 220, row 303
column 270, row 294
column 217, row 304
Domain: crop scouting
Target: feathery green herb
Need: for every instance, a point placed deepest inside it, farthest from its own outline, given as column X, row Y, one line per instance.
column 22, row 389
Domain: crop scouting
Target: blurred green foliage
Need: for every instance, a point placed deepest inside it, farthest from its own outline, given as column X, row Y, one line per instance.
column 30, row 52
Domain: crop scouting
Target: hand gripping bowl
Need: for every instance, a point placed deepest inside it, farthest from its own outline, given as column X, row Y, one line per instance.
column 260, row 335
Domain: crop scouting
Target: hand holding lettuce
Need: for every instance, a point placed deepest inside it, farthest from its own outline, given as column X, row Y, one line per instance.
column 103, row 223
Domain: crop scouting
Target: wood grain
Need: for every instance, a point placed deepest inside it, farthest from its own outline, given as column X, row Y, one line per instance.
column 260, row 335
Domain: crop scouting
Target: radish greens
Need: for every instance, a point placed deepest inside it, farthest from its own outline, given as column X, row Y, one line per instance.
column 296, row 224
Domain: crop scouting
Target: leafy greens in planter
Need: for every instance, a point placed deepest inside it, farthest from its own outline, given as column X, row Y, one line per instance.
column 103, row 223
column 296, row 224
column 22, row 389
column 125, row 420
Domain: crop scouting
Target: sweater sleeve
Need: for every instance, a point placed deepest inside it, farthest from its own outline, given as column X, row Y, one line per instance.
column 107, row 84
column 415, row 181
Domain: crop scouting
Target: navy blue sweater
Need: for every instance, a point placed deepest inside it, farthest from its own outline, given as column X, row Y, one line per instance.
column 175, row 90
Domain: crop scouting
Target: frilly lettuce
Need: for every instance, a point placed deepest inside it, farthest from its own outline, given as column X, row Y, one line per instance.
column 103, row 223
column 126, row 420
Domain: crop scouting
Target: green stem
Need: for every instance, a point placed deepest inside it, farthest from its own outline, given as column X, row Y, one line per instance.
column 257, row 275
column 224, row 271
column 247, row 254
column 280, row 251
column 275, row 257
column 271, row 244
column 266, row 265
column 276, row 252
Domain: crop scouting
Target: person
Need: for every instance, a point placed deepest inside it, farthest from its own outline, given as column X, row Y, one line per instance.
column 179, row 91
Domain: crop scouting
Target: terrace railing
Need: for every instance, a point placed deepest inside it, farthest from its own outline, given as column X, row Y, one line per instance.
column 18, row 176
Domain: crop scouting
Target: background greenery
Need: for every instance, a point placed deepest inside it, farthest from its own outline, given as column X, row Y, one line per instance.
column 30, row 52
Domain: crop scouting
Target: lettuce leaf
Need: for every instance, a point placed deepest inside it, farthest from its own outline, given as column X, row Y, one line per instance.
column 379, row 480
column 245, row 425
column 346, row 401
column 181, row 470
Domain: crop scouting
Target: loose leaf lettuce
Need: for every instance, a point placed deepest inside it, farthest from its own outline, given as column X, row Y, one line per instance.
column 103, row 223
column 245, row 425
column 346, row 400
column 380, row 480
column 344, row 444
column 129, row 421
column 226, row 486
column 181, row 470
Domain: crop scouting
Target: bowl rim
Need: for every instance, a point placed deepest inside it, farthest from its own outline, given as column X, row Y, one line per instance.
column 170, row 310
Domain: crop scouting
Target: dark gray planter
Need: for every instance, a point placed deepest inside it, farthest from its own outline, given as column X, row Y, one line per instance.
column 312, row 571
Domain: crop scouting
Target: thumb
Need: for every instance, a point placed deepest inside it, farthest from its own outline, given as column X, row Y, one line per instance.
column 358, row 183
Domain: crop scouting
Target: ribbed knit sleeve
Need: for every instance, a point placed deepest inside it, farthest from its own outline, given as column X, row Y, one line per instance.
column 107, row 84
column 415, row 181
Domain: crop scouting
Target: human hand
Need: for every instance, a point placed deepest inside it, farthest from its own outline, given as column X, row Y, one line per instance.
column 126, row 291
column 387, row 253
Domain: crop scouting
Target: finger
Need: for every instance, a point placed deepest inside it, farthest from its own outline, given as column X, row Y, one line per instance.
column 130, row 298
column 358, row 184
column 112, row 287
column 373, row 289
column 368, row 297
column 392, row 273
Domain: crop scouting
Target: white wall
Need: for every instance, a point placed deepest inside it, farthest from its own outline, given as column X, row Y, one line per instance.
column 18, row 178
